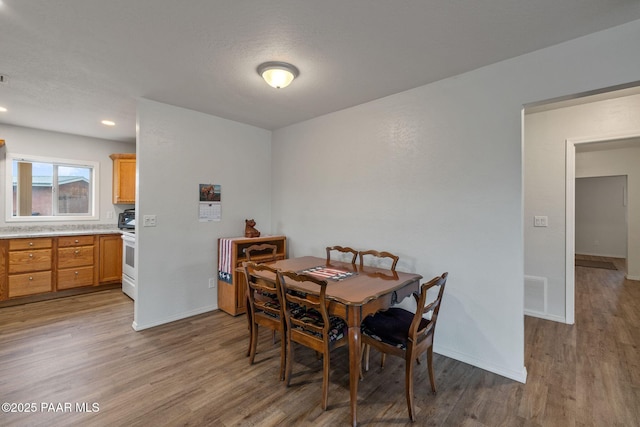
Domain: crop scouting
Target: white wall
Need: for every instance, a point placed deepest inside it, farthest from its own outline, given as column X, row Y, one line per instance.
column 434, row 174
column 37, row 142
column 177, row 149
column 546, row 134
column 623, row 161
column 601, row 216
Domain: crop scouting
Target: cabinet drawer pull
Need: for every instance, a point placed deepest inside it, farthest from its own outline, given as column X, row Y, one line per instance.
column 76, row 273
column 77, row 240
column 30, row 277
column 77, row 251
column 30, row 243
column 30, row 255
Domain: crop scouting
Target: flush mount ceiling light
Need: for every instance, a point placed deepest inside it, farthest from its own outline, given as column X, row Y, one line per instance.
column 3, row 110
column 108, row 122
column 278, row 74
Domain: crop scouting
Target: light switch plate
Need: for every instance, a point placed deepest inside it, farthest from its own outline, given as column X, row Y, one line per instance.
column 149, row 221
column 540, row 221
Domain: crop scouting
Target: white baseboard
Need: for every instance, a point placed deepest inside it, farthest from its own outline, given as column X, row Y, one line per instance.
column 180, row 316
column 520, row 376
column 632, row 277
column 602, row 255
column 545, row 316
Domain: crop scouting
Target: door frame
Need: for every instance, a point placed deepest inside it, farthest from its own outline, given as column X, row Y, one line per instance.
column 570, row 214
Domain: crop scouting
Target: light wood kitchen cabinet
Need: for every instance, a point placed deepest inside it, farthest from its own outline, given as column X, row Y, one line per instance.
column 231, row 283
column 29, row 269
column 76, row 258
column 124, row 178
column 41, row 268
column 110, row 259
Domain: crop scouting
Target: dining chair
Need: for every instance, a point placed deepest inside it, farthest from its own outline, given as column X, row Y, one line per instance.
column 381, row 255
column 401, row 333
column 308, row 322
column 261, row 253
column 264, row 308
column 343, row 250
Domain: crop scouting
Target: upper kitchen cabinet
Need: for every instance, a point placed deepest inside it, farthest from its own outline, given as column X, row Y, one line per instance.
column 124, row 178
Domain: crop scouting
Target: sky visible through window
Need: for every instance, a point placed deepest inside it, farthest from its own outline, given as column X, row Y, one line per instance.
column 46, row 169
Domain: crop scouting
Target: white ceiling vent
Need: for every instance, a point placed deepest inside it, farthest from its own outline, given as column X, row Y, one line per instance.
column 4, row 78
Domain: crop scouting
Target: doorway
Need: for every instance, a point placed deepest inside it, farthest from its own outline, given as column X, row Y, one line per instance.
column 573, row 170
column 601, row 215
column 608, row 121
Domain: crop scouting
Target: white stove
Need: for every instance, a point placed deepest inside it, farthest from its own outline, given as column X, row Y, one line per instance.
column 129, row 271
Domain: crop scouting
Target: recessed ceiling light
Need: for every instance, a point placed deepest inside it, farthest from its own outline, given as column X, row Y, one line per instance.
column 108, row 123
column 3, row 110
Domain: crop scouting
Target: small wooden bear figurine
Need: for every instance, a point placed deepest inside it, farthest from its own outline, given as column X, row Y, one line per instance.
column 249, row 230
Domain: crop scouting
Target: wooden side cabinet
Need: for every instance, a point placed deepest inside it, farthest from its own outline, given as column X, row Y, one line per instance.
column 124, row 178
column 110, row 259
column 231, row 286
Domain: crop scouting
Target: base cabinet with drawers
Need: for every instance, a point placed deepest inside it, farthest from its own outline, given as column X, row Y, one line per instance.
column 231, row 283
column 29, row 267
column 46, row 265
column 76, row 261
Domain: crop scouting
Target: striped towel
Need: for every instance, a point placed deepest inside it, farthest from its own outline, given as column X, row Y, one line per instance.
column 225, row 267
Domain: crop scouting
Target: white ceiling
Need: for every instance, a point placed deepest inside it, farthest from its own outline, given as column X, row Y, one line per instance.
column 72, row 63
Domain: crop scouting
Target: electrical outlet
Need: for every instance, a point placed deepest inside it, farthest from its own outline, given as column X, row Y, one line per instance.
column 149, row 221
column 109, row 214
column 212, row 282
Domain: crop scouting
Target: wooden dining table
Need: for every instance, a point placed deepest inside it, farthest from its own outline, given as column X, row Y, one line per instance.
column 361, row 292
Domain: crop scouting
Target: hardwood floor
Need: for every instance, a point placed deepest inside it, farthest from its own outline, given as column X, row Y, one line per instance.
column 82, row 350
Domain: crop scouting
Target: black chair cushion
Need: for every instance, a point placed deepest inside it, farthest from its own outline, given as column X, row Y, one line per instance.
column 337, row 326
column 391, row 326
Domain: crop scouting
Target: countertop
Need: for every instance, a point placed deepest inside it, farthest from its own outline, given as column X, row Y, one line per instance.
column 52, row 231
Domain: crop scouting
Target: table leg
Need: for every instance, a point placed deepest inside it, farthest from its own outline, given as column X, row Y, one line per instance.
column 354, row 370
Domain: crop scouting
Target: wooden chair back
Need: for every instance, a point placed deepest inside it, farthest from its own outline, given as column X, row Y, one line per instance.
column 311, row 332
column 264, row 308
column 256, row 288
column 417, row 333
column 394, row 259
column 343, row 250
column 261, row 253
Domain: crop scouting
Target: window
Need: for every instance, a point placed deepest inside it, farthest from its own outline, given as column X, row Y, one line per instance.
column 45, row 189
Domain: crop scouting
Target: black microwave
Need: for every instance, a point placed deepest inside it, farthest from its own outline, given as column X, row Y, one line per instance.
column 127, row 219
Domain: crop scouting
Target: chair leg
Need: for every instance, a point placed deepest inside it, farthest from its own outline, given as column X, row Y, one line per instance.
column 362, row 359
column 288, row 361
column 250, row 325
column 408, row 381
column 250, row 341
column 325, row 380
column 367, row 353
column 249, row 328
column 283, row 350
column 383, row 357
column 254, row 343
column 430, row 368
